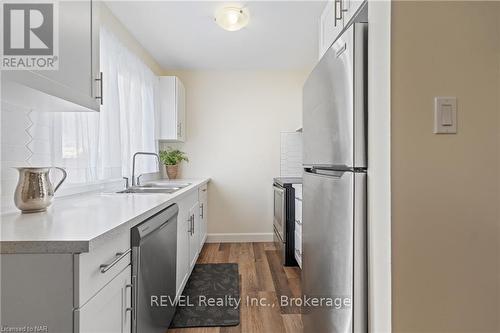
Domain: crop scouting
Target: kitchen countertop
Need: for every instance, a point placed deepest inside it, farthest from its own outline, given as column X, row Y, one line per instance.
column 78, row 223
column 288, row 180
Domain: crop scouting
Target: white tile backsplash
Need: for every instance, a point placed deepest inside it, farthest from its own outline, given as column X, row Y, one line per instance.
column 291, row 154
column 25, row 140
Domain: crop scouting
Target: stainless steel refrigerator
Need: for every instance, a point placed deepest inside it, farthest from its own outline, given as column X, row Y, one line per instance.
column 334, row 187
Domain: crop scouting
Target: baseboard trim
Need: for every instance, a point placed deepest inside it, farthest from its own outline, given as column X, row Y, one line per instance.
column 239, row 238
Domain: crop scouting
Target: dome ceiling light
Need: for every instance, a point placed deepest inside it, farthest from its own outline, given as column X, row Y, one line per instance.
column 232, row 18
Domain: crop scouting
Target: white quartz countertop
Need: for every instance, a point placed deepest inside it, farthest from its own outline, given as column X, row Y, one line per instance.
column 76, row 224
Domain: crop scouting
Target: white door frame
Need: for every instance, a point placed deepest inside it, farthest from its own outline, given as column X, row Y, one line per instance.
column 379, row 171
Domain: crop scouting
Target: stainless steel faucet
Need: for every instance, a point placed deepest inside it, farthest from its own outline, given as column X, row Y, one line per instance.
column 134, row 183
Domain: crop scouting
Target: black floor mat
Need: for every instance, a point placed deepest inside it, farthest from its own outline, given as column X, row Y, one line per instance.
column 211, row 297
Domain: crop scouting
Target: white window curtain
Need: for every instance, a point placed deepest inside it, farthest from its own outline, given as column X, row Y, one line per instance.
column 75, row 146
column 129, row 106
column 99, row 146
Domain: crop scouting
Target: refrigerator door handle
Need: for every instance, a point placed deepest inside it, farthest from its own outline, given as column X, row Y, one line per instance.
column 326, row 172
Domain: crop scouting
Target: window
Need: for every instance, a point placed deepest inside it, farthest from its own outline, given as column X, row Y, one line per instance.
column 99, row 146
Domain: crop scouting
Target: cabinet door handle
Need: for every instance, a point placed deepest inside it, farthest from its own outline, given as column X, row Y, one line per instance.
column 134, row 296
column 340, row 51
column 202, row 211
column 129, row 309
column 119, row 256
column 191, row 224
column 339, row 10
column 100, row 80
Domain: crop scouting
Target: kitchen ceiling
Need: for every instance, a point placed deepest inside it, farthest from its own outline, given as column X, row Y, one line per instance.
column 183, row 34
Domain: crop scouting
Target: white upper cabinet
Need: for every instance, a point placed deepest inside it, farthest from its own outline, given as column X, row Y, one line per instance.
column 172, row 109
column 76, row 84
column 351, row 8
column 331, row 24
column 334, row 18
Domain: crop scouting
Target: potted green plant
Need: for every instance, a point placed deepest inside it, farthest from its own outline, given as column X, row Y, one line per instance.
column 172, row 158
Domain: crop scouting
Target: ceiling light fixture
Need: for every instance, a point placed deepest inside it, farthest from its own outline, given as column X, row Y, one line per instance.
column 232, row 18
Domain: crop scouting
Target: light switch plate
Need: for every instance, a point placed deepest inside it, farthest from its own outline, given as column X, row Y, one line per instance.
column 445, row 115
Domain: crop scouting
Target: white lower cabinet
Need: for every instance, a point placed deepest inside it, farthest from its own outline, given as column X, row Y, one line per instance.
column 203, row 200
column 69, row 292
column 109, row 311
column 188, row 243
column 182, row 245
column 90, row 292
column 194, row 235
column 191, row 233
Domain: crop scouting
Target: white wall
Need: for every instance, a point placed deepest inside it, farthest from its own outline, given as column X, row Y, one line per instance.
column 110, row 21
column 234, row 120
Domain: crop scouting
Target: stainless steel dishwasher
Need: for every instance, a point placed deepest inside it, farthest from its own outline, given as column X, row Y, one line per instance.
column 154, row 253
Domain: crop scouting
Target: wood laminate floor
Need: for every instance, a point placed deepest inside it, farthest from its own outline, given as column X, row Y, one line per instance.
column 262, row 277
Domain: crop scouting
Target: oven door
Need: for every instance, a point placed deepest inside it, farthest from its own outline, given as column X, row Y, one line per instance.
column 279, row 219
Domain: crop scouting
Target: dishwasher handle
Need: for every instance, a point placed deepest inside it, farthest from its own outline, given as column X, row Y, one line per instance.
column 119, row 256
column 155, row 222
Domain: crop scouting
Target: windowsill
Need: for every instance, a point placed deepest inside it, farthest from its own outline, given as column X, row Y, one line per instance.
column 102, row 185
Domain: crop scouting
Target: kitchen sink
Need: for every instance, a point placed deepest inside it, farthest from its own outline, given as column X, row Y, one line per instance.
column 148, row 190
column 158, row 187
column 176, row 186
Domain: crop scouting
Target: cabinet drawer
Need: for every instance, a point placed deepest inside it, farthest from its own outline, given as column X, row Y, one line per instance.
column 89, row 278
column 202, row 194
